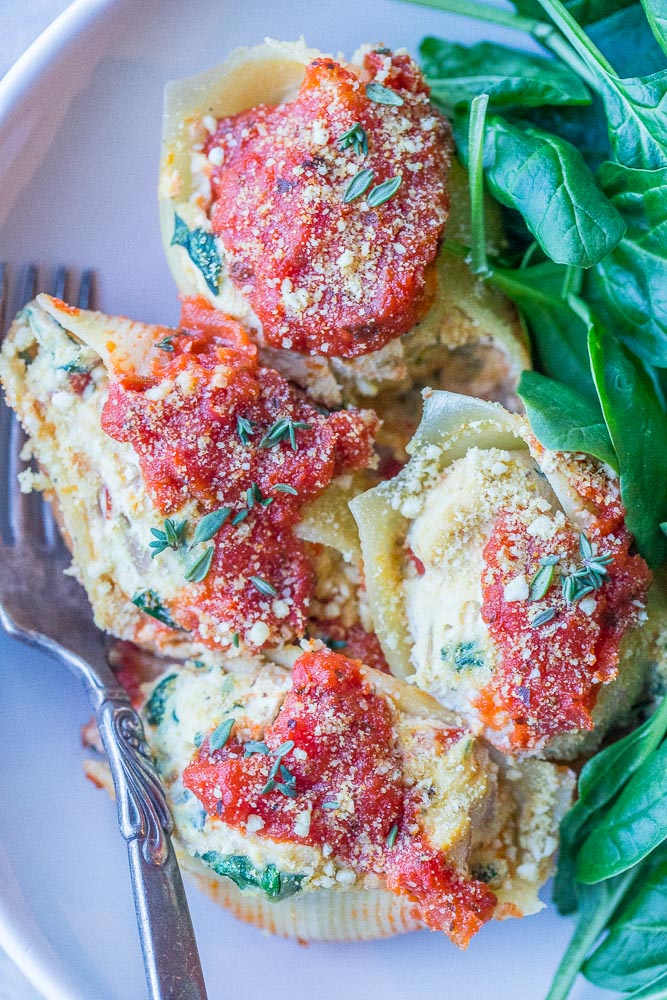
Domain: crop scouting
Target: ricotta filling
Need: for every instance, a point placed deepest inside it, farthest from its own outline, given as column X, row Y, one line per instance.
column 453, row 654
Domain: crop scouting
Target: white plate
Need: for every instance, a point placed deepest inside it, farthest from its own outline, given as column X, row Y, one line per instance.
column 79, row 148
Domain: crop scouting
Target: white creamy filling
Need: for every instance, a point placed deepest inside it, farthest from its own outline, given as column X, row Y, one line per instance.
column 453, row 654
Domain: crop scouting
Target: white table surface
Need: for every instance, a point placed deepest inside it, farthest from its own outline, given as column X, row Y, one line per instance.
column 21, row 21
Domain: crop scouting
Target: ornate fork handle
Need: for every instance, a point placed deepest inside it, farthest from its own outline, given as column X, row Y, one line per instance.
column 168, row 943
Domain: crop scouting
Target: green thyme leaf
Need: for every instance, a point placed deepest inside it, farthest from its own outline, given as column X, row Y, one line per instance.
column 199, row 567
column 236, row 640
column 286, row 488
column 255, row 746
column 543, row 617
column 359, row 183
column 241, row 516
column 383, row 192
column 541, row 582
column 392, row 835
column 221, row 734
column 166, row 344
column 210, row 525
column 245, row 428
column 263, row 586
column 330, row 805
column 379, row 94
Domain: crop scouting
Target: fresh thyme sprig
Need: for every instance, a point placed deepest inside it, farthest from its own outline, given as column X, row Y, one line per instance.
column 283, row 429
column 171, row 538
column 355, row 137
column 245, row 428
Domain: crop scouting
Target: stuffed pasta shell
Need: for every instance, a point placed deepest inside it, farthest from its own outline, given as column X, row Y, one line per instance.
column 335, row 802
column 505, row 583
column 308, row 197
column 200, row 494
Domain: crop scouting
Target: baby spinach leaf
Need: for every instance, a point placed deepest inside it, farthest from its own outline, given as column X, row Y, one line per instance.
column 512, row 78
column 638, row 429
column 656, row 14
column 154, row 708
column 626, row 40
column 276, row 884
column 149, row 602
column 584, row 127
column 635, row 824
column 564, row 420
column 559, row 333
column 585, row 11
column 202, row 251
column 600, row 780
column 635, row 106
column 628, row 287
column 597, row 905
column 635, row 949
column 656, row 990
column 546, row 179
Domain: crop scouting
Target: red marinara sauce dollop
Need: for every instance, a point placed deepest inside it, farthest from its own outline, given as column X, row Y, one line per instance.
column 326, row 276
column 341, row 767
column 199, row 425
column 551, row 672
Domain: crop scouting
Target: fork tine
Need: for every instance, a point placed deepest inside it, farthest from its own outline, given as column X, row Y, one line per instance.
column 60, row 283
column 86, row 289
column 24, row 509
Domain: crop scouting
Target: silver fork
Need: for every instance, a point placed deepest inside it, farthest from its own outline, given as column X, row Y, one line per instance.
column 41, row 606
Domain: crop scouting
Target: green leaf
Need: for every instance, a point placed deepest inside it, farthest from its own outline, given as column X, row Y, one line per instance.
column 628, row 287
column 359, row 183
column 564, row 420
column 656, row 13
column 221, row 734
column 149, row 602
column 154, row 709
column 559, row 334
column 638, row 429
column 476, row 128
column 383, row 192
column 597, row 905
column 379, row 94
column 600, row 780
column 276, row 884
column 547, row 181
column 202, row 250
column 198, row 569
column 656, row 990
column 634, row 952
column 626, row 40
column 635, row 107
column 210, row 525
column 585, row 11
column 635, row 824
column 512, row 78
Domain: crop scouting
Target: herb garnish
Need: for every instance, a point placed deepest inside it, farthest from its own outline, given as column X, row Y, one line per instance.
column 286, row 488
column 149, row 602
column 392, row 835
column 245, row 428
column 359, row 183
column 590, row 577
column 263, row 586
column 235, row 640
column 198, row 569
column 543, row 617
column 166, row 344
column 170, row 538
column 221, row 734
column 288, row 785
column 355, row 137
column 541, row 582
column 331, row 805
column 241, row 516
column 383, row 192
column 210, row 525
column 285, row 428
column 383, row 95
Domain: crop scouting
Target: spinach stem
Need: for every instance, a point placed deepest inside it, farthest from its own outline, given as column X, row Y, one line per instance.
column 577, row 37
column 588, row 930
column 483, row 12
column 479, row 264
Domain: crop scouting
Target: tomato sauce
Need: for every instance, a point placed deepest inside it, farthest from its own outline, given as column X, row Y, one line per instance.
column 183, row 422
column 340, row 785
column 551, row 673
column 326, row 276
